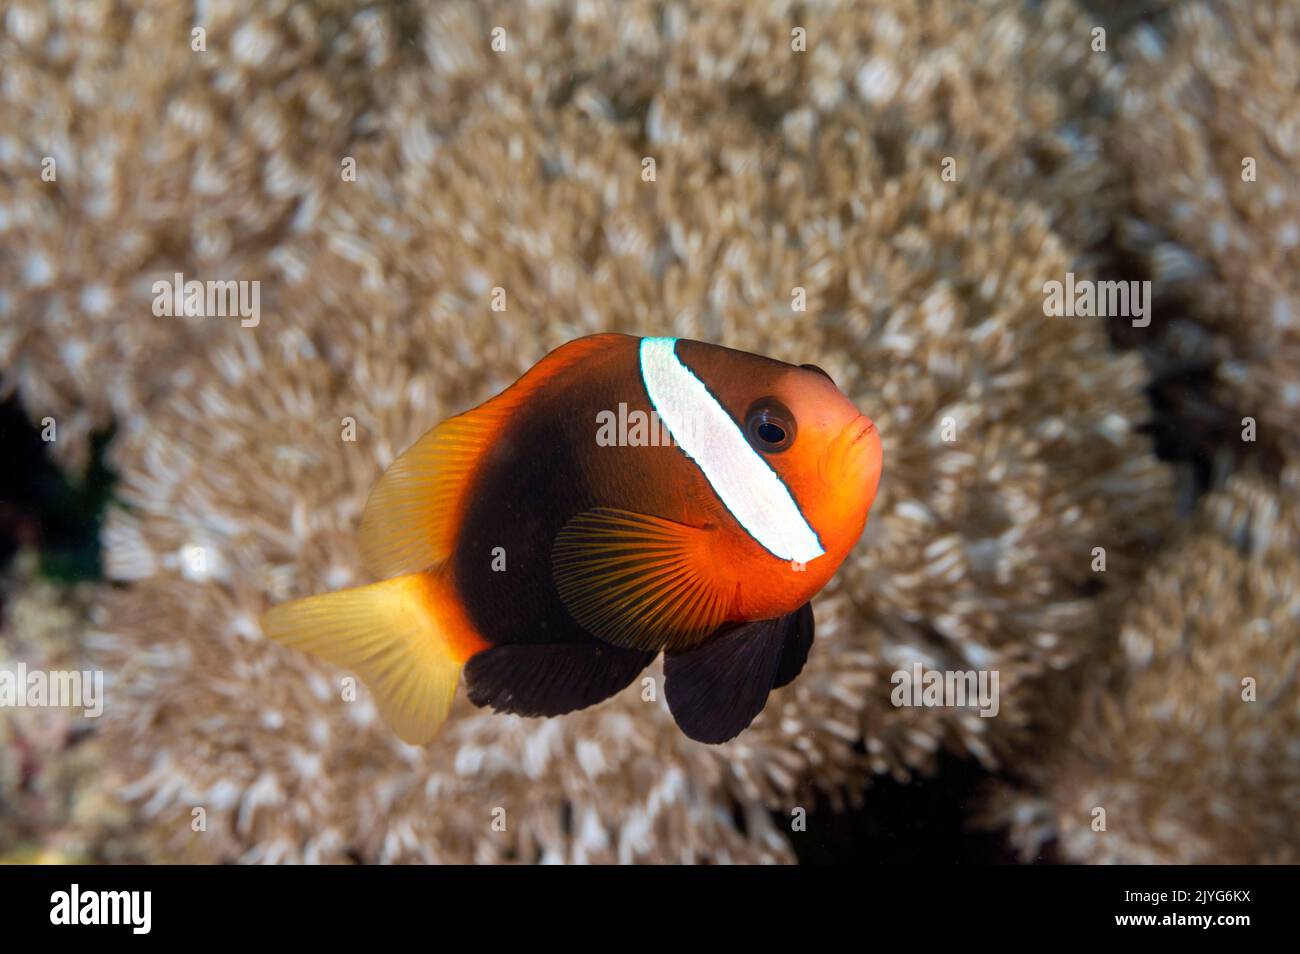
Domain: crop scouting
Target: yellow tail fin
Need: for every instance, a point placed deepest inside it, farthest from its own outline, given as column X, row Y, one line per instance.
column 406, row 638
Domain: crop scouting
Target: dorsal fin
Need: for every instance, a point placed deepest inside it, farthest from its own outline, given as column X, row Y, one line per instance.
column 413, row 513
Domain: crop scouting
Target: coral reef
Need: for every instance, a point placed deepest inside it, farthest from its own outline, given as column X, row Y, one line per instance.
column 132, row 149
column 708, row 171
column 1160, row 734
column 245, row 491
column 1209, row 131
column 56, row 801
column 525, row 172
column 127, row 155
column 1186, row 735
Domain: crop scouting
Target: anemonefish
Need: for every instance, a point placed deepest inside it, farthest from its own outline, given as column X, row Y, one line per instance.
column 625, row 497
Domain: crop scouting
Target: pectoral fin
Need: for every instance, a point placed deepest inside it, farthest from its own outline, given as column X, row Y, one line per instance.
column 640, row 582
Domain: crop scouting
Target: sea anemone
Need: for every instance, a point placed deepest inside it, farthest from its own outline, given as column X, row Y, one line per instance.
column 132, row 149
column 651, row 173
column 1209, row 131
column 1183, row 747
column 56, row 799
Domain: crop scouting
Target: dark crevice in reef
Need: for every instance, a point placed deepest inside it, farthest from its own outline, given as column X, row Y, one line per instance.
column 922, row 822
column 1192, row 424
column 41, row 508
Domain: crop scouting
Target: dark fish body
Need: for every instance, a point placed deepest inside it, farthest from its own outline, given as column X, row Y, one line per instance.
column 551, row 564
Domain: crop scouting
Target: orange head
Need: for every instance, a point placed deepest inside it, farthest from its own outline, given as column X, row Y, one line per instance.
column 830, row 456
column 824, row 453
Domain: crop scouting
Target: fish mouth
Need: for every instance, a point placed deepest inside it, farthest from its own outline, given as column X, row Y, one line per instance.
column 846, row 454
column 860, row 427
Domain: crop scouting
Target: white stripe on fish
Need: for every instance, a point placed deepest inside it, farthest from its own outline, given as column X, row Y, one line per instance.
column 745, row 483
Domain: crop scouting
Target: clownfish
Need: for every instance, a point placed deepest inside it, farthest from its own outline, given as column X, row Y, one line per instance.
column 625, row 497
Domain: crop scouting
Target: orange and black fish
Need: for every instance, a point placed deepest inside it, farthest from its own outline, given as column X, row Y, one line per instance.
column 625, row 497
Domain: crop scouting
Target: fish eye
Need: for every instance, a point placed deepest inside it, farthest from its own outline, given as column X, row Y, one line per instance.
column 769, row 426
column 813, row 367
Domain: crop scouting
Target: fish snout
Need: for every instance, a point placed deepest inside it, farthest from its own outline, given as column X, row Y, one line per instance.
column 861, row 427
column 854, row 455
